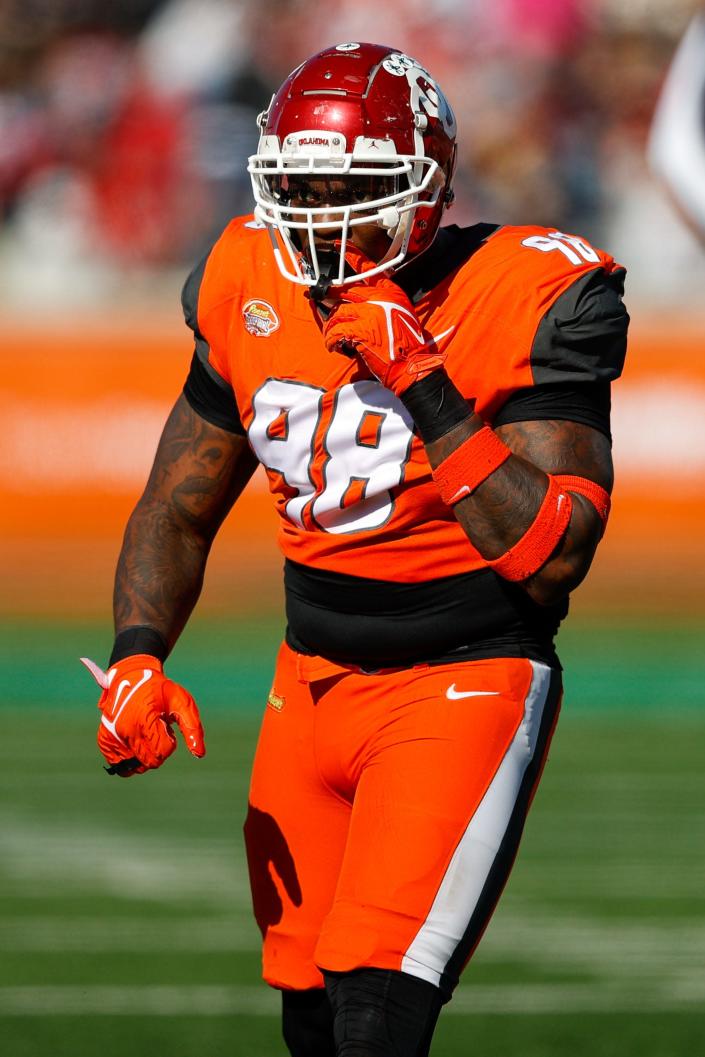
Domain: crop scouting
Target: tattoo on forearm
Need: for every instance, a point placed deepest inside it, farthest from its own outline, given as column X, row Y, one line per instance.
column 198, row 472
column 503, row 507
column 159, row 573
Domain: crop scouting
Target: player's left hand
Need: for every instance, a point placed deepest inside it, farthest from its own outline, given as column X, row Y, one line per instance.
column 138, row 706
column 375, row 319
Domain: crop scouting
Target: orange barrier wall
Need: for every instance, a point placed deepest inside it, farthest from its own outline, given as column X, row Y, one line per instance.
column 82, row 411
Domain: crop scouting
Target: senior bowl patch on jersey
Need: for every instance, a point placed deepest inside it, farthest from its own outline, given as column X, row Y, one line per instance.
column 260, row 318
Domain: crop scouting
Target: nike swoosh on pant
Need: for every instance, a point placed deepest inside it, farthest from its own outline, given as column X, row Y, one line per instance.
column 454, row 695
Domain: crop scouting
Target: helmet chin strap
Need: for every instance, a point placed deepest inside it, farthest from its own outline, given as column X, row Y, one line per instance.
column 319, row 292
column 397, row 227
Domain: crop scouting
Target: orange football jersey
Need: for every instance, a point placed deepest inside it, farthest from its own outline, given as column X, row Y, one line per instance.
column 349, row 476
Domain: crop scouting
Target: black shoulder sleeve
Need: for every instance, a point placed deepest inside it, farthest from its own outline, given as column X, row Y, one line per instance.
column 585, row 402
column 578, row 350
column 212, row 398
column 189, row 303
column 209, row 394
column 583, row 336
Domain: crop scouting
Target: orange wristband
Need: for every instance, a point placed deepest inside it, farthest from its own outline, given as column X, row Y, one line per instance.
column 469, row 465
column 540, row 539
column 597, row 495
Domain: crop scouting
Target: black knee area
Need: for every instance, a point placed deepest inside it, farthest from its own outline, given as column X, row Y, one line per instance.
column 307, row 1023
column 382, row 1013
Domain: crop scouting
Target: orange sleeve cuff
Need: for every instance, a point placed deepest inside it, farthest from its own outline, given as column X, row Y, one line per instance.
column 597, row 495
column 540, row 539
column 469, row 465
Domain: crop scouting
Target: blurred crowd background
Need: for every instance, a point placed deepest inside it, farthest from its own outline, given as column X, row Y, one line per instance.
column 125, row 128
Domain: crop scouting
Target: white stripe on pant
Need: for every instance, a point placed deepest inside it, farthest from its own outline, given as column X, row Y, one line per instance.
column 468, row 871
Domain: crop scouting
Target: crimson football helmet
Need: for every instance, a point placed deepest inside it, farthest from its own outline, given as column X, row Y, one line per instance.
column 370, row 126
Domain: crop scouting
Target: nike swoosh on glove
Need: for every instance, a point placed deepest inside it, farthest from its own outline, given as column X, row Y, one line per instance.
column 376, row 320
column 139, row 704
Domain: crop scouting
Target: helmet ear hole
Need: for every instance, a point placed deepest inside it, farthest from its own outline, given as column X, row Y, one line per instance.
column 449, row 193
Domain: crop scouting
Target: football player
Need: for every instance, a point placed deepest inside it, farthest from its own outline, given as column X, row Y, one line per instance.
column 677, row 141
column 431, row 408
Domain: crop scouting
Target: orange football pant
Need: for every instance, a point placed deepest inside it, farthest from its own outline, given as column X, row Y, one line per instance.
column 386, row 810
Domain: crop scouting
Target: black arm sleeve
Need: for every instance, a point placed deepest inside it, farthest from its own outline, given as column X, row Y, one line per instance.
column 586, row 402
column 212, row 398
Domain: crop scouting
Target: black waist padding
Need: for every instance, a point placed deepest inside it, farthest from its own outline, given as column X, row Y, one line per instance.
column 381, row 624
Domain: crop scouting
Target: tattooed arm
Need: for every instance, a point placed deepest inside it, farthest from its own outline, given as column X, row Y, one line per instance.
column 501, row 509
column 198, row 473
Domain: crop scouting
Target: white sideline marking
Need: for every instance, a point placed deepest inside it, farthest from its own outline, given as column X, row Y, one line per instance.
column 212, row 1001
column 660, row 952
column 203, row 1001
column 113, row 933
column 649, row 950
column 592, row 997
column 75, row 858
column 619, row 881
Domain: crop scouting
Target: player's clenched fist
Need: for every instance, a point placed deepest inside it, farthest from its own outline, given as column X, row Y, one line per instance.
column 138, row 706
column 377, row 320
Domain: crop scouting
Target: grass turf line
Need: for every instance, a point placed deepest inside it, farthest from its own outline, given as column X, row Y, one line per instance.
column 639, row 665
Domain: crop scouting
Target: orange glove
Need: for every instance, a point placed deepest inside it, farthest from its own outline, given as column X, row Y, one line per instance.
column 376, row 320
column 138, row 704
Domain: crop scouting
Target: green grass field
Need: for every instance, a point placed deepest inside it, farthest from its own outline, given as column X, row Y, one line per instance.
column 124, row 918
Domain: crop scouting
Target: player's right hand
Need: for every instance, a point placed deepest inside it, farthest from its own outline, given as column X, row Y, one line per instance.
column 138, row 706
column 376, row 320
